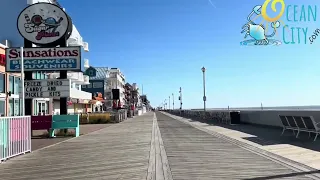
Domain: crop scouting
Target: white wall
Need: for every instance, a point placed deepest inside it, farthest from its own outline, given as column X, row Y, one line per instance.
column 56, row 108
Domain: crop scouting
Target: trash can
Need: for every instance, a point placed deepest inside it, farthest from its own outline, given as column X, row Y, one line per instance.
column 235, row 117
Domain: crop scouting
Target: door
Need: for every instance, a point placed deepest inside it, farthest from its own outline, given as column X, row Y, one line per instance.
column 42, row 108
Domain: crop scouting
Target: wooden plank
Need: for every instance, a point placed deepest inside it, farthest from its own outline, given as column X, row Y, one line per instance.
column 194, row 154
column 151, row 174
column 120, row 151
column 164, row 159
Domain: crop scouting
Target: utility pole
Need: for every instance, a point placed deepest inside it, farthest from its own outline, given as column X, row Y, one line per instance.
column 142, row 89
column 203, row 69
column 180, row 98
column 172, row 101
column 169, row 102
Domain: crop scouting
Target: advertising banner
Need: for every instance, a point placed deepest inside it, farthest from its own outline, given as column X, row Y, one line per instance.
column 49, row 88
column 44, row 59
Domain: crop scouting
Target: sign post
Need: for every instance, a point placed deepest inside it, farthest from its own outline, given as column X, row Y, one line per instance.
column 47, row 26
column 22, row 81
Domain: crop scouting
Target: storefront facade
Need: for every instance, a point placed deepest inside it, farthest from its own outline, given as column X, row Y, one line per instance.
column 10, row 103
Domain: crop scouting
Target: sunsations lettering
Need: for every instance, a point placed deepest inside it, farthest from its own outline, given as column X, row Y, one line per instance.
column 15, row 53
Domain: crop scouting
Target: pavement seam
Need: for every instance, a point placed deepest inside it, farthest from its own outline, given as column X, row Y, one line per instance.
column 296, row 166
column 165, row 163
column 151, row 174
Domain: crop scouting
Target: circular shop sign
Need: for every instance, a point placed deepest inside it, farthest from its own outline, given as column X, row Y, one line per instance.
column 43, row 23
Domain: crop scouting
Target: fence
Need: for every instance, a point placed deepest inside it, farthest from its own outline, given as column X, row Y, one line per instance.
column 15, row 136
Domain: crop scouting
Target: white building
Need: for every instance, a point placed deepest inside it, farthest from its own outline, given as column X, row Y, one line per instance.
column 117, row 80
column 136, row 95
column 113, row 79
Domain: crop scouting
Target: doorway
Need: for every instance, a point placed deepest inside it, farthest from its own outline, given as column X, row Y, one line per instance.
column 41, row 108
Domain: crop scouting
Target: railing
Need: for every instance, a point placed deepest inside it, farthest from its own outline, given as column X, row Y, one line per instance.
column 15, row 136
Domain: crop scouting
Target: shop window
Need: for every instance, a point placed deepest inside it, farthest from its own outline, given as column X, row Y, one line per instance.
column 11, row 104
column 16, row 107
column 47, row 105
column 21, row 106
column 2, row 83
column 2, row 108
column 17, row 84
column 11, row 83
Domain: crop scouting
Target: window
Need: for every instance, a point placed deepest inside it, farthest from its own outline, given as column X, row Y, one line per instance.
column 21, row 106
column 90, row 73
column 2, row 84
column 11, row 83
column 16, row 107
column 16, row 85
column 11, row 112
column 2, row 108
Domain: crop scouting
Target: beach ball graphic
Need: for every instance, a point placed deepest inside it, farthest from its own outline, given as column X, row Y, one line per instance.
column 50, row 21
column 36, row 20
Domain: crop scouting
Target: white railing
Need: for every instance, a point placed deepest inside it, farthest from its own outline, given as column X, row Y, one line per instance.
column 85, row 46
column 86, row 63
column 15, row 136
column 86, row 80
column 77, row 94
column 76, row 77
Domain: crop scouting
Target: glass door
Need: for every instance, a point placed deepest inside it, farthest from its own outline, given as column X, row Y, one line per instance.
column 42, row 108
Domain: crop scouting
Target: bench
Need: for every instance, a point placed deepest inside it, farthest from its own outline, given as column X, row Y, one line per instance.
column 65, row 122
column 300, row 124
column 41, row 122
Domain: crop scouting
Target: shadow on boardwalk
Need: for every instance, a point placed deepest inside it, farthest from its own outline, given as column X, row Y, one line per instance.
column 285, row 175
column 266, row 135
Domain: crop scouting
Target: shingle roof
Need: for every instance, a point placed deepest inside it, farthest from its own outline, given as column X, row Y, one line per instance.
column 100, row 74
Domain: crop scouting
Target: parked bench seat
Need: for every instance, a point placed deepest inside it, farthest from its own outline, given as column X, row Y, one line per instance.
column 300, row 124
column 65, row 122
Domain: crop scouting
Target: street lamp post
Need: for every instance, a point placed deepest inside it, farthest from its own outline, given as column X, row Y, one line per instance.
column 169, row 102
column 172, row 101
column 203, row 69
column 180, row 98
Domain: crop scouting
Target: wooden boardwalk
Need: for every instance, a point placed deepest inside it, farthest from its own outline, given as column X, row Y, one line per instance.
column 145, row 148
column 197, row 155
column 120, row 151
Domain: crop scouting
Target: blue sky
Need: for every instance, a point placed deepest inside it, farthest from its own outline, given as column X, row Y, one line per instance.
column 163, row 44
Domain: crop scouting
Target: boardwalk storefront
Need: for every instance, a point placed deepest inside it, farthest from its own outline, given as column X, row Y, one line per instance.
column 10, row 104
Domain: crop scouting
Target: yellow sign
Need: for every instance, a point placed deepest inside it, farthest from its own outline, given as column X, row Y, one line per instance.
column 273, row 7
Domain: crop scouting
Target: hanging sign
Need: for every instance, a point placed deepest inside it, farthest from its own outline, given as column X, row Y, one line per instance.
column 44, row 59
column 50, row 88
column 43, row 23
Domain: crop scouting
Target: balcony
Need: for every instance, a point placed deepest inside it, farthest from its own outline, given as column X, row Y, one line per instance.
column 77, row 94
column 76, row 40
column 76, row 77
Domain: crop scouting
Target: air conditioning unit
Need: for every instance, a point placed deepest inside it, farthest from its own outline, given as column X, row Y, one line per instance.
column 86, row 46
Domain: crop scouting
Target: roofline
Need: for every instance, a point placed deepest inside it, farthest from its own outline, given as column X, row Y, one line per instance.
column 3, row 46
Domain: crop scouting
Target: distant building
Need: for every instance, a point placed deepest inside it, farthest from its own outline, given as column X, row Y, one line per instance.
column 111, row 78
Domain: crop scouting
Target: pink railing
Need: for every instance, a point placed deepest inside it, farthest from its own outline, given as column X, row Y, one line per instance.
column 15, row 136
